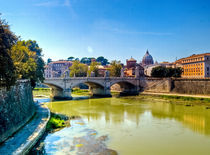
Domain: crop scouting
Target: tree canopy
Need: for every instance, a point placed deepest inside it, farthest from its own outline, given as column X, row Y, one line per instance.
column 115, row 68
column 161, row 71
column 7, row 68
column 28, row 61
column 94, row 68
column 78, row 69
column 102, row 60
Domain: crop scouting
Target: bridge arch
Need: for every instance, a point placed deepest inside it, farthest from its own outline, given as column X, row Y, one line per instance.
column 125, row 87
column 97, row 88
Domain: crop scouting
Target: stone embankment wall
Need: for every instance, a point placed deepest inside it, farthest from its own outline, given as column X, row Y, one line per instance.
column 161, row 85
column 16, row 108
column 191, row 86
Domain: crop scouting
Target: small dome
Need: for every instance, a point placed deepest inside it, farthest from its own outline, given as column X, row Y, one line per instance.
column 131, row 59
column 147, row 59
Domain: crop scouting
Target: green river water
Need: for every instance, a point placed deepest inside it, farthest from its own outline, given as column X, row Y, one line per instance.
column 131, row 126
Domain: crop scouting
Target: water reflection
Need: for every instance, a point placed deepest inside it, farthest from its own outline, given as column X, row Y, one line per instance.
column 197, row 118
column 140, row 125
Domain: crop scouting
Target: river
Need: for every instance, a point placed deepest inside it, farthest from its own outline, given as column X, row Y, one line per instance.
column 131, row 126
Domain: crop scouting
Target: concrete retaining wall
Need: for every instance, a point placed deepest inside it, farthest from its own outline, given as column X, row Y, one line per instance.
column 16, row 108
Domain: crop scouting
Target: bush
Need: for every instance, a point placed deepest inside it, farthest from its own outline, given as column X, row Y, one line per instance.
column 161, row 71
column 55, row 122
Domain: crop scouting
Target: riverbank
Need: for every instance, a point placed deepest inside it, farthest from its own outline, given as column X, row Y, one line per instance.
column 197, row 99
column 22, row 141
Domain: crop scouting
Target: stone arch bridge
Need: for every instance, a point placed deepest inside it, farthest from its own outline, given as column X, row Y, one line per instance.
column 99, row 86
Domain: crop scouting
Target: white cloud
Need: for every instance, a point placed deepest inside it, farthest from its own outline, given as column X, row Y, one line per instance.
column 54, row 3
column 90, row 49
column 120, row 28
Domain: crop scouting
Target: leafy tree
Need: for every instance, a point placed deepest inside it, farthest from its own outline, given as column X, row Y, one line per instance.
column 7, row 68
column 93, row 68
column 78, row 69
column 158, row 71
column 38, row 76
column 102, row 60
column 161, row 71
column 86, row 60
column 49, row 60
column 24, row 61
column 70, row 58
column 115, row 68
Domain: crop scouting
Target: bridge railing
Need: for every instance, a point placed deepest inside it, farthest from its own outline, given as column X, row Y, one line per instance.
column 93, row 78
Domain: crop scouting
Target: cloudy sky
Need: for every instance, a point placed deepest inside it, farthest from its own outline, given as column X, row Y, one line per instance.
column 116, row 29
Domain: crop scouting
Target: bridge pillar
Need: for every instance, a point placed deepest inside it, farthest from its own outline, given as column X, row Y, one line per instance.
column 100, row 91
column 61, row 94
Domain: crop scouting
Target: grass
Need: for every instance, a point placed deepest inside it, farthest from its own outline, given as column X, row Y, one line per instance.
column 77, row 91
column 56, row 122
column 40, row 92
column 185, row 99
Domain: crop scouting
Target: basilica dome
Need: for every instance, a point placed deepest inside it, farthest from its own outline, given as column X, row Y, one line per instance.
column 147, row 59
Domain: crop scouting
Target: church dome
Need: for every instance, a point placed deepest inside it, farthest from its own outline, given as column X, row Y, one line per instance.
column 147, row 59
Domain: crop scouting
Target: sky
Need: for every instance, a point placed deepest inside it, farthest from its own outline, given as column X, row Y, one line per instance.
column 115, row 29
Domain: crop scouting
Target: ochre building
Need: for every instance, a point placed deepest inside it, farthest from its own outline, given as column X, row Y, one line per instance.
column 195, row 66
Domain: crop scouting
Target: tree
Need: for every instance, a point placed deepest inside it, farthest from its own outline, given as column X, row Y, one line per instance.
column 158, row 71
column 115, row 68
column 93, row 68
column 161, row 71
column 24, row 61
column 86, row 60
column 34, row 48
column 78, row 69
column 70, row 58
column 7, row 68
column 49, row 60
column 102, row 60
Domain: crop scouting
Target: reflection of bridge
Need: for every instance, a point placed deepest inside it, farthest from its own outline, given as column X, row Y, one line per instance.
column 99, row 86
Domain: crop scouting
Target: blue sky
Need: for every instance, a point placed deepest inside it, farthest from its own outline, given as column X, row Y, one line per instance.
column 116, row 29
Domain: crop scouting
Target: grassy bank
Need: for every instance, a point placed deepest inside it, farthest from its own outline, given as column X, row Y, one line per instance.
column 83, row 92
column 56, row 122
column 41, row 92
column 176, row 98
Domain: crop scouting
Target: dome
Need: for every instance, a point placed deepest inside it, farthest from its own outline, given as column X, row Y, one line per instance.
column 147, row 59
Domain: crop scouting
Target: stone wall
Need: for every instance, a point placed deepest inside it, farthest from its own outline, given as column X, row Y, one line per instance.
column 16, row 108
column 191, row 86
column 160, row 85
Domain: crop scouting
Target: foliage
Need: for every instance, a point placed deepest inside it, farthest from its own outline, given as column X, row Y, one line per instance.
column 115, row 68
column 78, row 69
column 28, row 61
column 7, row 68
column 49, row 60
column 94, row 68
column 70, row 58
column 55, row 122
column 24, row 61
column 39, row 75
column 86, row 60
column 102, row 60
column 161, row 71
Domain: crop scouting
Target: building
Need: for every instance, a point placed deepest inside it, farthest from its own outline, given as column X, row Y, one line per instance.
column 195, row 66
column 147, row 59
column 57, row 69
column 131, row 66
